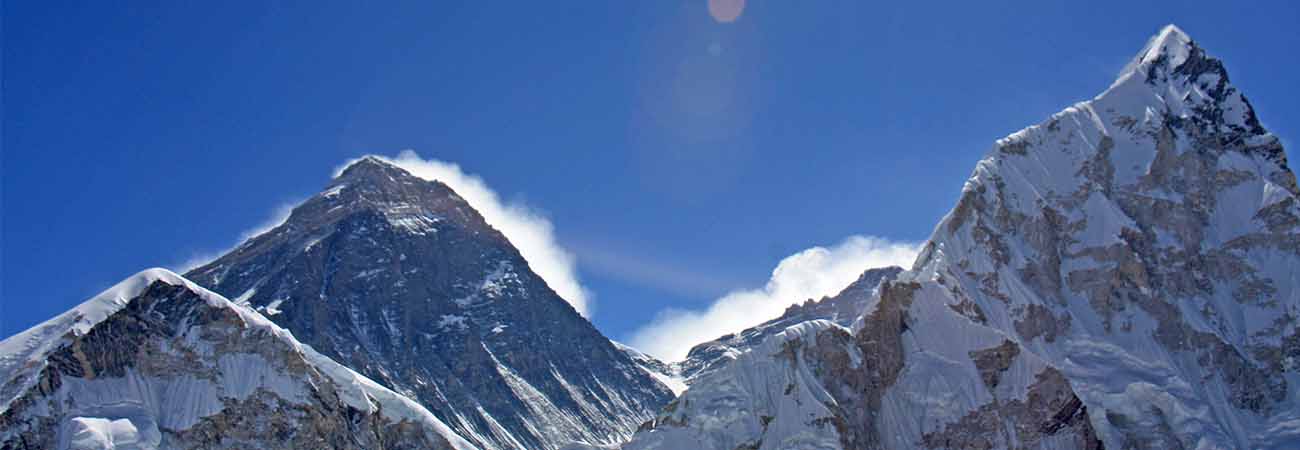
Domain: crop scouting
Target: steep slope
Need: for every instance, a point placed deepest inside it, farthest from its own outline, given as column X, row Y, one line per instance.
column 402, row 280
column 157, row 362
column 1119, row 276
column 842, row 309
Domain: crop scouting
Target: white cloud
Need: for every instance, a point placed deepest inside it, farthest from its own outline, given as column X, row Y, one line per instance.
column 529, row 231
column 811, row 273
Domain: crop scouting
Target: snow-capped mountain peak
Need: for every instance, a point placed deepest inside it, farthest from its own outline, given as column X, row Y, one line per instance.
column 1118, row 276
column 157, row 362
column 368, row 166
column 1173, row 76
column 1170, row 48
column 25, row 350
column 400, row 278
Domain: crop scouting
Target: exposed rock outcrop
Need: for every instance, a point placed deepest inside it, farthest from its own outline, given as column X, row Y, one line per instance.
column 160, row 363
column 401, row 279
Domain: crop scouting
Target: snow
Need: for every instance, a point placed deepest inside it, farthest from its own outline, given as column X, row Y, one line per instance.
column 725, row 409
column 1171, row 42
column 673, row 380
column 369, row 273
column 451, row 320
column 24, row 351
column 364, row 394
column 312, row 243
column 674, row 383
column 242, row 299
column 496, row 282
column 98, row 433
column 333, row 191
column 493, row 286
column 127, row 412
column 418, row 224
column 392, row 323
column 1115, row 360
column 174, row 403
column 273, row 308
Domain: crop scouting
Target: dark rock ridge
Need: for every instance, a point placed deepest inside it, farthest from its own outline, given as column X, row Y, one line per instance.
column 402, row 280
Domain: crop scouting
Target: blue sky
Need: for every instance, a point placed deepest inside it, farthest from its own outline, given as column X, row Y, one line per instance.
column 677, row 157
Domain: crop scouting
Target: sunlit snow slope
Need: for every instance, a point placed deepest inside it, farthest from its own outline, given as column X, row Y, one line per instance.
column 1122, row 275
column 157, row 362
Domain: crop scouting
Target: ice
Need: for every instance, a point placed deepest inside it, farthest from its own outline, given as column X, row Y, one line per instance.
column 273, row 308
column 242, row 299
column 333, row 191
column 98, row 433
column 675, row 383
column 451, row 320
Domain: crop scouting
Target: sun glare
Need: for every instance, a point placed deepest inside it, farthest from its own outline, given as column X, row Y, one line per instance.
column 726, row 11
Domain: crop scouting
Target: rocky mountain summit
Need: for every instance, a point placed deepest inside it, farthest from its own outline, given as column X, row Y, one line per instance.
column 1119, row 276
column 708, row 357
column 158, row 362
column 401, row 279
column 842, row 308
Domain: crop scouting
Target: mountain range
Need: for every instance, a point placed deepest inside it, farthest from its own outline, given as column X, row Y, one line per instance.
column 1121, row 275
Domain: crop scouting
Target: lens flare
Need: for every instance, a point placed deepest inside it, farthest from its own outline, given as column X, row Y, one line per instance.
column 726, row 11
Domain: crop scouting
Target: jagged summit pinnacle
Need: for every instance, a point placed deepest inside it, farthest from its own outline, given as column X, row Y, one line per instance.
column 377, row 182
column 1170, row 47
column 1172, row 43
column 402, row 279
column 1174, row 77
column 1172, row 55
column 370, row 167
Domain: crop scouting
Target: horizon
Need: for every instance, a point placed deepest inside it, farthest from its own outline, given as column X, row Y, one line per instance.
column 705, row 184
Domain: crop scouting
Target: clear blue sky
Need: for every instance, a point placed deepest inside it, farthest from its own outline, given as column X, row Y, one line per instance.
column 142, row 135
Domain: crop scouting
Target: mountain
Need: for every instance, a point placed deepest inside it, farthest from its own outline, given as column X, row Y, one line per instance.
column 843, row 308
column 401, row 279
column 707, row 357
column 1119, row 276
column 157, row 362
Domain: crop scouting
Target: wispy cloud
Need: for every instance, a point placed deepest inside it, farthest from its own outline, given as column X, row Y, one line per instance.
column 645, row 270
column 529, row 231
column 811, row 273
column 276, row 218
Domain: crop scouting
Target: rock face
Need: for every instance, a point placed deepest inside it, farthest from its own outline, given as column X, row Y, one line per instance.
column 708, row 357
column 1120, row 276
column 842, row 309
column 157, row 362
column 400, row 279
